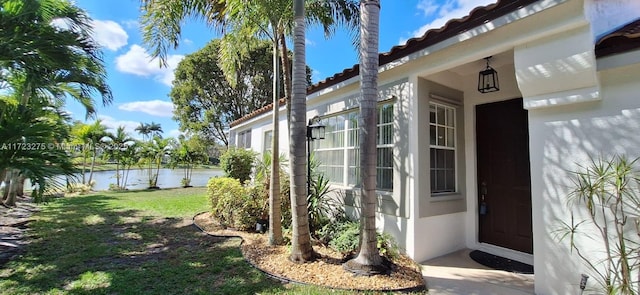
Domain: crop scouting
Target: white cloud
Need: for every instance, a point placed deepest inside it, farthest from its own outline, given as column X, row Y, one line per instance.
column 427, row 7
column 445, row 11
column 109, row 34
column 187, row 41
column 138, row 62
column 309, row 42
column 152, row 107
column 113, row 124
column 131, row 24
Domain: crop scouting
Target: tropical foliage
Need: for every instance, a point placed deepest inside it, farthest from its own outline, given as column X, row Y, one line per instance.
column 46, row 56
column 607, row 193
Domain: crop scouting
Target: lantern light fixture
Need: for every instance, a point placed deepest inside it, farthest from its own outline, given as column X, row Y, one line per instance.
column 488, row 79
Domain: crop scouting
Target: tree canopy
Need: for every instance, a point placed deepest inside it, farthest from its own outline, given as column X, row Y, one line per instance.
column 205, row 102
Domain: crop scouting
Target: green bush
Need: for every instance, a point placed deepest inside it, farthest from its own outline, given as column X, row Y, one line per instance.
column 235, row 205
column 237, row 163
column 262, row 179
column 343, row 236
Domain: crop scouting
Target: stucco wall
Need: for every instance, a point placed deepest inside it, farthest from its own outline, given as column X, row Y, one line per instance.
column 561, row 139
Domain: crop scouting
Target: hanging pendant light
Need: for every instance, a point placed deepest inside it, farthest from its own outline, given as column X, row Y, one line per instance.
column 488, row 79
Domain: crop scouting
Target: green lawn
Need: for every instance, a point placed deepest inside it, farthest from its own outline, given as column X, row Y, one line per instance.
column 132, row 243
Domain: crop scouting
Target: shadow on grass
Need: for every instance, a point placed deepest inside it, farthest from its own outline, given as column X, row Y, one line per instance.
column 86, row 245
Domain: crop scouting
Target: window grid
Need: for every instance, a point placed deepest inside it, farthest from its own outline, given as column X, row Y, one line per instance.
column 346, row 148
column 268, row 138
column 442, row 137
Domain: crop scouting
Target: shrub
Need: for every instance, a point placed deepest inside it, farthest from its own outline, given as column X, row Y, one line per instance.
column 262, row 179
column 237, row 163
column 343, row 236
column 233, row 204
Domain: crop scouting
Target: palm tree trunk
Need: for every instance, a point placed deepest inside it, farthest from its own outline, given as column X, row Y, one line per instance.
column 93, row 164
column 286, row 75
column 20, row 185
column 118, row 174
column 275, row 210
column 13, row 176
column 301, row 249
column 368, row 261
column 84, row 162
column 6, row 178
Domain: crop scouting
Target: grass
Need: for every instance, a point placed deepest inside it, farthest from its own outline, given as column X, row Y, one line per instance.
column 133, row 243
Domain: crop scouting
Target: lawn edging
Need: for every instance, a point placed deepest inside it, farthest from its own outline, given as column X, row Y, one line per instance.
column 291, row 281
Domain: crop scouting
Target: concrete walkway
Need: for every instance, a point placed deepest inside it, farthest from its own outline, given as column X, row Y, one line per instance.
column 456, row 273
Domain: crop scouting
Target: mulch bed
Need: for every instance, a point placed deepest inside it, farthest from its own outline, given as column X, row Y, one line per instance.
column 326, row 271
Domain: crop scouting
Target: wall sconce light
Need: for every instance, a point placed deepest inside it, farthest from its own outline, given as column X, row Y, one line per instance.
column 315, row 131
column 488, row 79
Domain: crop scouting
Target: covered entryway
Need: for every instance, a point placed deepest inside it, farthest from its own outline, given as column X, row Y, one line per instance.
column 504, row 181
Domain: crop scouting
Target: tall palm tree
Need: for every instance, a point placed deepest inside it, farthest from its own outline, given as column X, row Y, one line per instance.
column 301, row 249
column 144, row 130
column 155, row 129
column 368, row 261
column 241, row 21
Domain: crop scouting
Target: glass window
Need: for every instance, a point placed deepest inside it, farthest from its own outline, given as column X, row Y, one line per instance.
column 339, row 154
column 268, row 138
column 442, row 135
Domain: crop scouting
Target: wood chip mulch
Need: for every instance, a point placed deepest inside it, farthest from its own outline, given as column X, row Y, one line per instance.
column 326, row 271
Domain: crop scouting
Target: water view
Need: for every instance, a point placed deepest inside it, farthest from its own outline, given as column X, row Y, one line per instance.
column 139, row 178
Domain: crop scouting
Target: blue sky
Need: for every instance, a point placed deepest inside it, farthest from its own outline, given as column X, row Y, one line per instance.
column 140, row 87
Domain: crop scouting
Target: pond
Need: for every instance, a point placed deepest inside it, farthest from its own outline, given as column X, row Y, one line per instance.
column 138, row 178
column 167, row 178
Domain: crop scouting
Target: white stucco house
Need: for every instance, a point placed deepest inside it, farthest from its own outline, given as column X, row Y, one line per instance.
column 569, row 89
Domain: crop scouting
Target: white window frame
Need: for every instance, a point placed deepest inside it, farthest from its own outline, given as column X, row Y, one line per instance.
column 455, row 148
column 347, row 148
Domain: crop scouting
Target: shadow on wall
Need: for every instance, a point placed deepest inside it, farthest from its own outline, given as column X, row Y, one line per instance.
column 568, row 137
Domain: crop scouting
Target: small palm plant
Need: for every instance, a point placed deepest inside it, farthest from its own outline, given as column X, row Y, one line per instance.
column 607, row 191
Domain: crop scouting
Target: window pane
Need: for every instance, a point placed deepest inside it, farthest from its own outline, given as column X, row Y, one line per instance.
column 440, row 116
column 451, row 139
column 441, row 134
column 449, row 159
column 450, row 117
column 432, row 114
column 433, row 135
column 385, row 157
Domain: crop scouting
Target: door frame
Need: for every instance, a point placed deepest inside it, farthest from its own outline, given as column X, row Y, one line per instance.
column 473, row 201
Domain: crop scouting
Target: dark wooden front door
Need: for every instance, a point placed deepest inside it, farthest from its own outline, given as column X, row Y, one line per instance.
column 504, row 180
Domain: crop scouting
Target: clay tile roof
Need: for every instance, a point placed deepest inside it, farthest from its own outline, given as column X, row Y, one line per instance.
column 257, row 112
column 477, row 17
column 624, row 39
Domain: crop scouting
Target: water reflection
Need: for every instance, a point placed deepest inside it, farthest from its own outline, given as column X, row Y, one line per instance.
column 167, row 178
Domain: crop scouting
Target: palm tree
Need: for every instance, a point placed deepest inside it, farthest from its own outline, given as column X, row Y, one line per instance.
column 41, row 65
column 155, row 129
column 57, row 62
column 161, row 147
column 144, row 130
column 240, row 21
column 368, row 260
column 301, row 249
column 118, row 143
column 97, row 133
column 80, row 134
